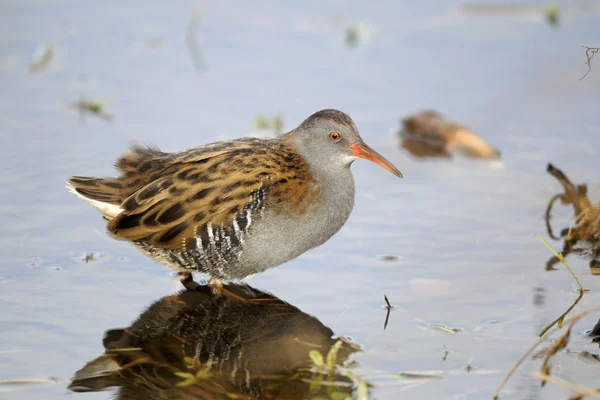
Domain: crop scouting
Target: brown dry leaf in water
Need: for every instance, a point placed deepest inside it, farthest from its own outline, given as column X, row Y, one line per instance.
column 429, row 134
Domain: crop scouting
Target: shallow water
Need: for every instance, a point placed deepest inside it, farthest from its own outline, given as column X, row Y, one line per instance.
column 466, row 233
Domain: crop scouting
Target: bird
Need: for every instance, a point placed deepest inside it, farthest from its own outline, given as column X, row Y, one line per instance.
column 429, row 134
column 232, row 209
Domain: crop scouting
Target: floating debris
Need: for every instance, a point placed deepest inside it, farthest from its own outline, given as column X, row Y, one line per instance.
column 352, row 36
column 590, row 52
column 429, row 134
column 35, row 262
column 89, row 256
column 27, row 381
column 274, row 123
column 551, row 13
column 94, row 107
column 447, row 330
column 191, row 38
column 41, row 58
column 355, row 33
column 389, row 258
column 583, row 238
column 389, row 308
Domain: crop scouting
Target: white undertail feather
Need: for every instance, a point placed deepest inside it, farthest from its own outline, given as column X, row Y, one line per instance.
column 108, row 210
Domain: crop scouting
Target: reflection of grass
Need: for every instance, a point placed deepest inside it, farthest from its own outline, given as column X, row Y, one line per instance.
column 191, row 39
column 199, row 372
column 275, row 123
column 94, row 107
column 326, row 367
column 551, row 12
column 559, row 320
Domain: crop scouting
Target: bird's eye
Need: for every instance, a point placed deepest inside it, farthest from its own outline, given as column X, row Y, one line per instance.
column 334, row 136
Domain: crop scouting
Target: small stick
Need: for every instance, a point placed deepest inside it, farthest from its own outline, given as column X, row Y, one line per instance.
column 590, row 52
column 387, row 301
column 389, row 307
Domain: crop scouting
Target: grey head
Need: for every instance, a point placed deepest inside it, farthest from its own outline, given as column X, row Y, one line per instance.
column 329, row 141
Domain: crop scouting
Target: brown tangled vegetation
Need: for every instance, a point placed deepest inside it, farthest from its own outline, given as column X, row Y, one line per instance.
column 584, row 237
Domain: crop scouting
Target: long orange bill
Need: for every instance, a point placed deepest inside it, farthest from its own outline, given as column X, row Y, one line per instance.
column 362, row 150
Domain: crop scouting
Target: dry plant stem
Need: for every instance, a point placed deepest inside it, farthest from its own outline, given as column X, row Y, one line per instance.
column 580, row 390
column 590, row 52
column 573, row 319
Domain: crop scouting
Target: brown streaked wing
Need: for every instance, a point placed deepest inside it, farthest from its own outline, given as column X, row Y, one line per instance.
column 200, row 188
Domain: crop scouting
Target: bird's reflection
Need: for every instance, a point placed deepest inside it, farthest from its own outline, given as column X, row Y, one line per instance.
column 195, row 344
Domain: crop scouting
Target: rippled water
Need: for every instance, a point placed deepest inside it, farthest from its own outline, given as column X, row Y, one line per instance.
column 466, row 233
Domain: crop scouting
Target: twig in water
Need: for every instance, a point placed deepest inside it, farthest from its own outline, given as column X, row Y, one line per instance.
column 590, row 52
column 445, row 353
column 389, row 308
column 572, row 320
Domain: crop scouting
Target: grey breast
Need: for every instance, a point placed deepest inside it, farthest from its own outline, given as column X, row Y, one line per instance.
column 278, row 238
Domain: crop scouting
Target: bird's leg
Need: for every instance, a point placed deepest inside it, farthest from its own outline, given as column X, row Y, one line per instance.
column 187, row 280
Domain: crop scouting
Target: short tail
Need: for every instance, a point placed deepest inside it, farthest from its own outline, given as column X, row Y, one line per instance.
column 102, row 193
column 138, row 167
